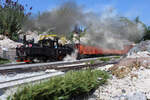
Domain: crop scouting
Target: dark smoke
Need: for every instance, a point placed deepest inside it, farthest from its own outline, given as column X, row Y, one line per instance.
column 60, row 20
column 108, row 30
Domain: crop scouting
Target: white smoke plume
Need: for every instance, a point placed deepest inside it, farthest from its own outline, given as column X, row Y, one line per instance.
column 108, row 30
column 111, row 31
column 71, row 57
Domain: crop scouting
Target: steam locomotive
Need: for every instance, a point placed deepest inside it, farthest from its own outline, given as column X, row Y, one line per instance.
column 45, row 50
column 51, row 50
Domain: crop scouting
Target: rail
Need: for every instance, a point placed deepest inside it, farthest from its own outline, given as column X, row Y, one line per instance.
column 60, row 67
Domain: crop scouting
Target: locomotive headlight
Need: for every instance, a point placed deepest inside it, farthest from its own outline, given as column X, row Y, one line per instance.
column 27, row 46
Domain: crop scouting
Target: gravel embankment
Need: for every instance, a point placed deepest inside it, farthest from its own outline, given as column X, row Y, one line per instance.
column 136, row 83
column 130, row 77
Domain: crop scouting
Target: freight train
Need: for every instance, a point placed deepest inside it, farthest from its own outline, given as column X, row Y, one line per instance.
column 49, row 49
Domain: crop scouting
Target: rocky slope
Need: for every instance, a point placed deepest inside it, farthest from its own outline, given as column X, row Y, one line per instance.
column 130, row 78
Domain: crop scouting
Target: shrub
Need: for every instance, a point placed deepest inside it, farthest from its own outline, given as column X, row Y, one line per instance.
column 4, row 61
column 12, row 16
column 65, row 87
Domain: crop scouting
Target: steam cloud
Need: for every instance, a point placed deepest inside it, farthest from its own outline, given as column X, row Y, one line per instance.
column 107, row 30
column 111, row 31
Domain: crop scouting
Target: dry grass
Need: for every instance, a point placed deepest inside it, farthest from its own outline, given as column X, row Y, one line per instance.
column 122, row 71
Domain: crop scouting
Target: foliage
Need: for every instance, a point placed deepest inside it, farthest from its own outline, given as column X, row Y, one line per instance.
column 4, row 61
column 105, row 59
column 77, row 30
column 108, row 58
column 117, row 57
column 146, row 29
column 65, row 87
column 90, row 63
column 12, row 16
column 136, row 25
column 147, row 34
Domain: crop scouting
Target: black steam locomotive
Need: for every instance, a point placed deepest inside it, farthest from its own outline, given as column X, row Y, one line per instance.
column 43, row 51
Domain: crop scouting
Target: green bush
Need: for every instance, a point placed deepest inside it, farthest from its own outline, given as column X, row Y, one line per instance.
column 104, row 59
column 147, row 33
column 65, row 87
column 117, row 57
column 12, row 17
column 4, row 61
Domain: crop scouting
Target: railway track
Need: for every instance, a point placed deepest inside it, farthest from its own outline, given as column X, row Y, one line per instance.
column 16, row 82
column 60, row 69
column 21, row 68
column 12, row 64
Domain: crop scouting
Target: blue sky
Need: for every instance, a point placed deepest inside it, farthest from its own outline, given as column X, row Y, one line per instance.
column 128, row 8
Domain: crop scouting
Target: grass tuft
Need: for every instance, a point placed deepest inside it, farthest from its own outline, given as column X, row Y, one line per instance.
column 104, row 59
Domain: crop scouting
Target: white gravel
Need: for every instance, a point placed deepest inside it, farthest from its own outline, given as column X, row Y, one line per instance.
column 14, row 76
column 126, row 86
column 7, row 43
column 106, row 67
column 6, row 93
column 139, row 54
